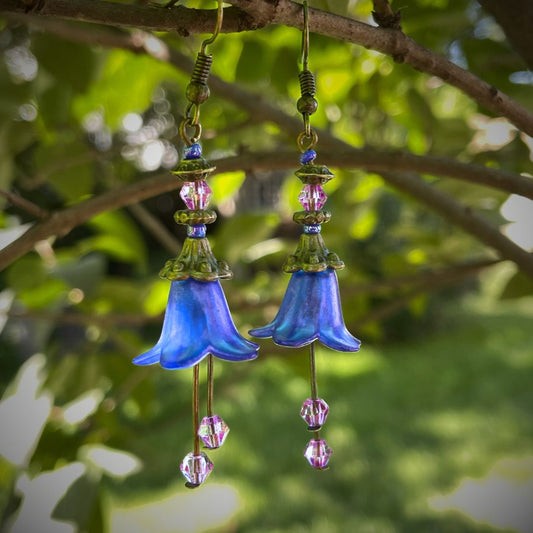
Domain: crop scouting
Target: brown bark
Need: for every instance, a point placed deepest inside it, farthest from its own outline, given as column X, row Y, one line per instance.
column 285, row 12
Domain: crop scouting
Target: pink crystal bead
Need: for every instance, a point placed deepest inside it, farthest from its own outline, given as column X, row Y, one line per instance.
column 196, row 468
column 196, row 194
column 213, row 431
column 317, row 453
column 314, row 412
column 312, row 197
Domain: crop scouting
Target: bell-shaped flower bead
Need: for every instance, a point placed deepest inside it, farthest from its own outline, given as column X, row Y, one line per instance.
column 311, row 310
column 197, row 323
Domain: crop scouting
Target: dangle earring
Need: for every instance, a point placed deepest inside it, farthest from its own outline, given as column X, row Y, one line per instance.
column 311, row 308
column 197, row 322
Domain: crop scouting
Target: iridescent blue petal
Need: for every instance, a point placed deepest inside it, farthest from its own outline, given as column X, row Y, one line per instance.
column 197, row 323
column 310, row 310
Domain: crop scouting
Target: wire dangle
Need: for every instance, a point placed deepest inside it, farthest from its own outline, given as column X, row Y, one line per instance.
column 197, row 322
column 311, row 309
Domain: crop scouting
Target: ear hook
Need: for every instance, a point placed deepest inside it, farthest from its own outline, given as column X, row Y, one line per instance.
column 305, row 36
column 220, row 17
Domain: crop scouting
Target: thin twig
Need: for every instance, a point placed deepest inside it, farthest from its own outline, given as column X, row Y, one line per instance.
column 384, row 16
column 155, row 227
column 462, row 216
column 25, row 205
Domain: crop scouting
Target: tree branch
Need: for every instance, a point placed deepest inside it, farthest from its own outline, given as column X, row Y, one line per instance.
column 140, row 42
column 61, row 222
column 285, row 12
column 24, row 204
column 430, row 278
column 462, row 216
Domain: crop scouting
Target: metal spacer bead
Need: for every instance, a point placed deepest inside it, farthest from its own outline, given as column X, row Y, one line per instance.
column 193, row 169
column 314, row 174
column 194, row 218
column 306, row 218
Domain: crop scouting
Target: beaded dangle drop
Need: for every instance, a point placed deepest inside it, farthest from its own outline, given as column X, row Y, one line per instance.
column 197, row 322
column 311, row 308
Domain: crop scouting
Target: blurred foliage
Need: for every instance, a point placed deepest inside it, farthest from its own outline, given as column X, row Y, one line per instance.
column 441, row 389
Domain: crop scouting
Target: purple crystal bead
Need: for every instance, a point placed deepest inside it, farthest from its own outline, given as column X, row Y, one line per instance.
column 193, row 152
column 317, row 453
column 314, row 412
column 307, row 157
column 312, row 197
column 213, row 431
column 196, row 194
column 196, row 468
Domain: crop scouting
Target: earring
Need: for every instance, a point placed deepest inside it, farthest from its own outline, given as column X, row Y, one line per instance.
column 311, row 308
column 197, row 322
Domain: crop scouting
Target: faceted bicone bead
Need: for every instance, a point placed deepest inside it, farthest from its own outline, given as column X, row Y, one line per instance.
column 213, row 431
column 196, row 468
column 307, row 157
column 193, row 152
column 314, row 412
column 317, row 453
column 312, row 197
column 196, row 194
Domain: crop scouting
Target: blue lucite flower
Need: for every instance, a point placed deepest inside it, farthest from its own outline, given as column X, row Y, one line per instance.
column 197, row 323
column 310, row 311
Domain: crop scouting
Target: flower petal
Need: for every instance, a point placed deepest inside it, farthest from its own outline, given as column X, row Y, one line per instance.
column 225, row 341
column 150, row 357
column 197, row 322
column 310, row 310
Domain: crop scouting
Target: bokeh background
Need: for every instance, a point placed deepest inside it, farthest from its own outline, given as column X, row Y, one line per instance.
column 431, row 422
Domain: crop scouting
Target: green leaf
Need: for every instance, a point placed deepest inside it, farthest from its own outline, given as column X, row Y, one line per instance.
column 118, row 237
column 78, row 502
column 518, row 286
column 126, row 85
column 28, row 272
column 156, row 301
column 286, row 62
column 68, row 61
column 251, row 64
column 54, row 105
column 44, row 295
column 67, row 165
column 225, row 185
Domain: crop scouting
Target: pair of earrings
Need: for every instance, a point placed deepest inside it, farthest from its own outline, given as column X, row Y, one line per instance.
column 198, row 323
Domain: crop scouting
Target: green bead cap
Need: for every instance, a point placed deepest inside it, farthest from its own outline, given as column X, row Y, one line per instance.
column 193, row 218
column 193, row 169
column 311, row 255
column 197, row 261
column 314, row 174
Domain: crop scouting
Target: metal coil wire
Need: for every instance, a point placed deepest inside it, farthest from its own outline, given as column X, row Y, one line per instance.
column 202, row 68
column 307, row 82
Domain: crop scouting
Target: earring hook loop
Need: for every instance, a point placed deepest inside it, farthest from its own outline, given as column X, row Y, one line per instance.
column 218, row 26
